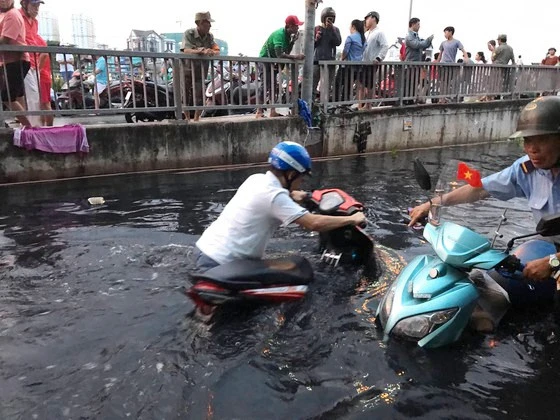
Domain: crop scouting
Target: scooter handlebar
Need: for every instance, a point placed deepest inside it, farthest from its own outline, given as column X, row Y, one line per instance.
column 418, row 225
column 511, row 264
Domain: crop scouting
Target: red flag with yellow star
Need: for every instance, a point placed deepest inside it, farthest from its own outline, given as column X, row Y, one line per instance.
column 472, row 176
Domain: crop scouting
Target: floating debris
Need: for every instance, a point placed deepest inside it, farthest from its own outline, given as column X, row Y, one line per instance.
column 96, row 201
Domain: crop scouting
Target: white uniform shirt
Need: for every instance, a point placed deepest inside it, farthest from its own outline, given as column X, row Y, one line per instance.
column 248, row 221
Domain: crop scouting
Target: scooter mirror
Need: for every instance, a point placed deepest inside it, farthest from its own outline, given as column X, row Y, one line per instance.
column 422, row 176
column 549, row 225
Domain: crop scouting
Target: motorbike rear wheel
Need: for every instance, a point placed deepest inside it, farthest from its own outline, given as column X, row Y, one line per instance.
column 135, row 117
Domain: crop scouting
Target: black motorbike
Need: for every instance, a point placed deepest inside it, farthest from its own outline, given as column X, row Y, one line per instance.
column 79, row 94
column 284, row 279
column 348, row 244
column 143, row 96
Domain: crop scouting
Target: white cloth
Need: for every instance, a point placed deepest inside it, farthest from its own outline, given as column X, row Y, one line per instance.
column 32, row 96
column 100, row 87
column 376, row 45
column 248, row 221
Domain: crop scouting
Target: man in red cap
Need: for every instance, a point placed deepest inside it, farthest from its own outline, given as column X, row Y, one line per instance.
column 14, row 65
column 278, row 45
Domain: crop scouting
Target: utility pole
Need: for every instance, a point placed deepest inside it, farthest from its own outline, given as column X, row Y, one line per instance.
column 308, row 50
column 410, row 11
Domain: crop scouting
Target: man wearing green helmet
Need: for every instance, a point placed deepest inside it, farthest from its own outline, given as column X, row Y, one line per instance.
column 536, row 177
column 263, row 203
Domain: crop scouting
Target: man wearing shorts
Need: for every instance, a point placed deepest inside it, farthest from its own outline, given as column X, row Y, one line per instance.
column 13, row 65
column 38, row 81
column 374, row 53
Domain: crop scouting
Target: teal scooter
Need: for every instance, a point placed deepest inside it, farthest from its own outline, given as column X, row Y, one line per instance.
column 433, row 298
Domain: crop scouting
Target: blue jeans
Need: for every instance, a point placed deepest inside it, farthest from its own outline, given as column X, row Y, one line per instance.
column 202, row 261
column 66, row 75
column 523, row 292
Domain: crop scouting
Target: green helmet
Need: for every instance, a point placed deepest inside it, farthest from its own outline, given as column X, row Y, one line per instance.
column 541, row 116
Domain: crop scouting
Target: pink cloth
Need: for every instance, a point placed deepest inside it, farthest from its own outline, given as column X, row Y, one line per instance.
column 64, row 139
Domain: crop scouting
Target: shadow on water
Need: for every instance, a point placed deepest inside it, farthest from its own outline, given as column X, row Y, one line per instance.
column 94, row 322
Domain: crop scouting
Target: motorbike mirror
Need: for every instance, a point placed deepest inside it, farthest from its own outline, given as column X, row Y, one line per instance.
column 549, row 225
column 422, row 176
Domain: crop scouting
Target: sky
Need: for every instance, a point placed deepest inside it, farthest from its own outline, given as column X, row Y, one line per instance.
column 532, row 27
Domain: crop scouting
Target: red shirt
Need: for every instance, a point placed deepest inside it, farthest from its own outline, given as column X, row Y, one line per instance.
column 13, row 28
column 32, row 37
column 550, row 61
column 402, row 52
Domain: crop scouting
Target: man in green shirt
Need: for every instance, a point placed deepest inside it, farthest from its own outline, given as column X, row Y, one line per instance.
column 201, row 42
column 278, row 45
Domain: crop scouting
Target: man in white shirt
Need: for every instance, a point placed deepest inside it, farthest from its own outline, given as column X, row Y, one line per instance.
column 66, row 62
column 374, row 53
column 262, row 204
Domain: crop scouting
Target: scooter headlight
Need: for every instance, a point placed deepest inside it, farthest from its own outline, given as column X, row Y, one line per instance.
column 386, row 306
column 419, row 326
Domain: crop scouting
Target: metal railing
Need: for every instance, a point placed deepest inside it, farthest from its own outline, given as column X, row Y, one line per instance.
column 144, row 86
column 402, row 83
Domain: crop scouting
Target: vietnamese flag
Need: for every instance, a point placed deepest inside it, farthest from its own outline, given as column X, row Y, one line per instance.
column 472, row 176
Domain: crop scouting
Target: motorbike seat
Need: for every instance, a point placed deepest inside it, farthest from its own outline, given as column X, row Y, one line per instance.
column 247, row 274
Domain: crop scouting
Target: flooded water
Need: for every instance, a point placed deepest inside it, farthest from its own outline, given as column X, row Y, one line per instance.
column 94, row 323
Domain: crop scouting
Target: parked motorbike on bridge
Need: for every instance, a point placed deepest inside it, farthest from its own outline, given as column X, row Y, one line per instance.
column 143, row 96
column 230, row 87
column 218, row 91
column 284, row 279
column 432, row 299
column 80, row 94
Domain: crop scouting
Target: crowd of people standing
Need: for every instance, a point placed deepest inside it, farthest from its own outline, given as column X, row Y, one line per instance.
column 26, row 78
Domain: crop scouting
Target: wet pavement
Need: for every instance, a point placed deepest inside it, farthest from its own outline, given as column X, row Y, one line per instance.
column 94, row 323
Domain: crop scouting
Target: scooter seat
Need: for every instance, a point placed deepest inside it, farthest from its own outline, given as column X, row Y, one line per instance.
column 247, row 274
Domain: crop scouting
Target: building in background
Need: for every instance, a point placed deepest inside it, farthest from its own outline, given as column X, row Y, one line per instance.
column 83, row 31
column 48, row 26
column 224, row 49
column 177, row 37
column 150, row 41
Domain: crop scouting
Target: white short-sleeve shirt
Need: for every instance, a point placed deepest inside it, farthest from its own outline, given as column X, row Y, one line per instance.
column 66, row 62
column 249, row 220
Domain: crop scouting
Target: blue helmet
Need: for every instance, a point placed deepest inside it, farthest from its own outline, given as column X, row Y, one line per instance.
column 288, row 155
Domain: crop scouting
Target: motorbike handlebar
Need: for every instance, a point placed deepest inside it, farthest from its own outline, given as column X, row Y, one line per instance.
column 418, row 225
column 512, row 264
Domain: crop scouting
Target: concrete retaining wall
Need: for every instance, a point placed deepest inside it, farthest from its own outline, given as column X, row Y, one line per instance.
column 238, row 140
column 144, row 147
column 420, row 126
